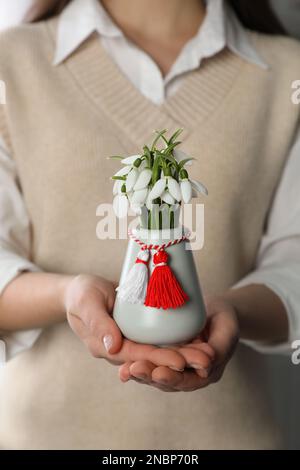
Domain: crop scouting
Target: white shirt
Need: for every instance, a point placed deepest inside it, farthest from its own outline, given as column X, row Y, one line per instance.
column 278, row 261
column 13, row 11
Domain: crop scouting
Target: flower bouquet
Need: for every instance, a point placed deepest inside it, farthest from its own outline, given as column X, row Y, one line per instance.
column 159, row 299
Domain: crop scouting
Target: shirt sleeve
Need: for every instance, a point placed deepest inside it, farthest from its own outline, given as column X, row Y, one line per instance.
column 278, row 260
column 14, row 247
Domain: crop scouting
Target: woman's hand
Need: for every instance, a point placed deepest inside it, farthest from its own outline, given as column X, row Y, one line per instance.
column 206, row 356
column 88, row 301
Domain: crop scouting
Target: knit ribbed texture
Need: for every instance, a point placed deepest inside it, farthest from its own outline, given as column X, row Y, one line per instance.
column 112, row 92
column 63, row 122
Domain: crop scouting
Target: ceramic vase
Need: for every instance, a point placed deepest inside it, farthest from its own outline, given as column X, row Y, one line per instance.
column 158, row 326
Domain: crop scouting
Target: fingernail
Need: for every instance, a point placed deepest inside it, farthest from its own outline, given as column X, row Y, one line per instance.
column 108, row 342
column 202, row 371
column 176, row 369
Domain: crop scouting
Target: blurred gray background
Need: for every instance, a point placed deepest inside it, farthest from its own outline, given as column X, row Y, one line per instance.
column 288, row 11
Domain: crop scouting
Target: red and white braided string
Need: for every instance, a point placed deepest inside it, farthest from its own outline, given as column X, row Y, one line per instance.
column 163, row 246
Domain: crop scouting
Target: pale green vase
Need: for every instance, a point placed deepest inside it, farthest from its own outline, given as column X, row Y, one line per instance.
column 158, row 326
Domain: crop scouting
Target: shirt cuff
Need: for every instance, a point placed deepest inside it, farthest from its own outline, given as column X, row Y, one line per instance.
column 286, row 288
column 11, row 266
column 14, row 343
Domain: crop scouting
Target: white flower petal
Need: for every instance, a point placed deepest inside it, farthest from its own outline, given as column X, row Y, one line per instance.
column 174, row 189
column 180, row 155
column 129, row 195
column 136, row 208
column 142, row 165
column 166, row 197
column 123, row 171
column 186, row 190
column 117, row 187
column 149, row 203
column 143, row 179
column 130, row 160
column 131, row 179
column 199, row 187
column 158, row 188
column 140, row 196
column 120, row 205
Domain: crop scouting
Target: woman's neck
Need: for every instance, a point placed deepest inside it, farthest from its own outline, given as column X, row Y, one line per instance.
column 160, row 28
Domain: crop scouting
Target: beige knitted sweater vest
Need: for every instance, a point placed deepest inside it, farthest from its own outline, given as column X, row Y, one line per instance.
column 60, row 124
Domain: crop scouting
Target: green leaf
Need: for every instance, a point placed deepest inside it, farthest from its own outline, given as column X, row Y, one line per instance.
column 171, row 159
column 160, row 134
column 115, row 157
column 156, row 168
column 148, row 156
column 119, row 178
column 171, row 147
column 183, row 162
column 175, row 135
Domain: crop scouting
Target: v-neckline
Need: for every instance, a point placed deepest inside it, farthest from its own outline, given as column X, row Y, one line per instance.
column 112, row 92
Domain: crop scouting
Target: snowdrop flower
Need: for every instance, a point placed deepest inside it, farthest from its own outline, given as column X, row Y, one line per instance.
column 134, row 187
column 133, row 164
column 130, row 160
column 117, row 189
column 121, row 203
column 149, row 202
column 187, row 186
column 123, row 171
column 166, row 197
column 136, row 209
column 139, row 196
column 133, row 174
column 166, row 184
column 118, row 182
column 143, row 179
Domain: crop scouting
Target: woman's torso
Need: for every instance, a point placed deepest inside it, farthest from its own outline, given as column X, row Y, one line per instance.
column 61, row 125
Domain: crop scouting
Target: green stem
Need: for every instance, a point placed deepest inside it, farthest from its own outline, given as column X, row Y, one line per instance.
column 171, row 219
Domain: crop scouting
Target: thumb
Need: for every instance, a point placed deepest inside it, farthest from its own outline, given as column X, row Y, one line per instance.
column 111, row 335
column 93, row 308
column 112, row 338
column 103, row 327
column 223, row 334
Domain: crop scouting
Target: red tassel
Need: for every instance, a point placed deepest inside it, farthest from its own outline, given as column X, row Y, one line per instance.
column 164, row 291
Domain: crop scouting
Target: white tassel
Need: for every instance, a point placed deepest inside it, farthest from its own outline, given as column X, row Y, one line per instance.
column 134, row 288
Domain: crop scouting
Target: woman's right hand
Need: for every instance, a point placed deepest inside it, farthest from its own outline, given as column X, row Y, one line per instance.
column 88, row 302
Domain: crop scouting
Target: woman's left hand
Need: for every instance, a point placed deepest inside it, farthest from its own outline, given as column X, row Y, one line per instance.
column 218, row 341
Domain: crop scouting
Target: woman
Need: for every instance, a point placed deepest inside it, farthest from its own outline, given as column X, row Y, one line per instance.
column 73, row 99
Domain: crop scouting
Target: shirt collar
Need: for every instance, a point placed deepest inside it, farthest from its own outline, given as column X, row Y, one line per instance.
column 77, row 22
column 220, row 28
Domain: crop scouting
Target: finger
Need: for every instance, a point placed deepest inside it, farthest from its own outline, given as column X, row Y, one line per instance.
column 142, row 370
column 191, row 381
column 124, row 372
column 184, row 381
column 205, row 347
column 197, row 359
column 169, row 358
column 144, row 352
column 166, row 377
